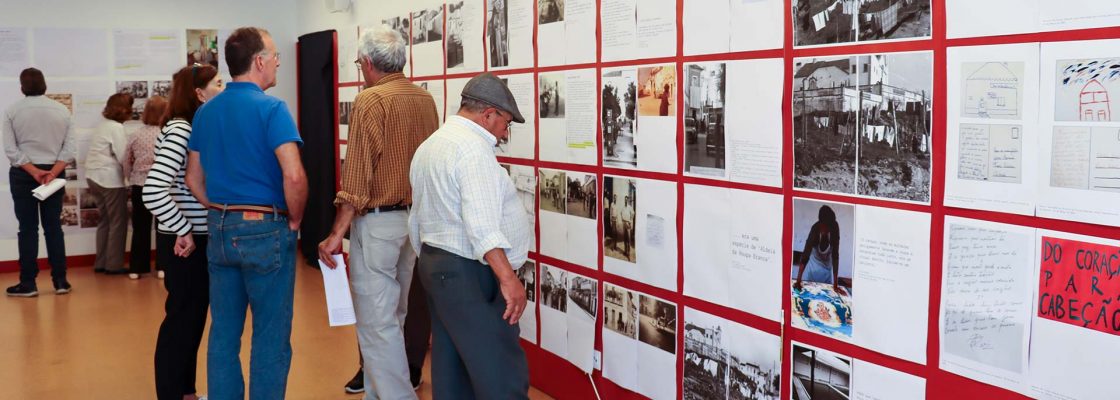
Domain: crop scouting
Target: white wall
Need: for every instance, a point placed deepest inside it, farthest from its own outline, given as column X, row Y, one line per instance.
column 278, row 16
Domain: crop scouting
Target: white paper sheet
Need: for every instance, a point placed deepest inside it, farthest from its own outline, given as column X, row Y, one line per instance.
column 891, row 282
column 1079, row 137
column 554, row 305
column 992, row 143
column 656, row 29
column 652, row 259
column 147, row 52
column 1054, row 15
column 1070, row 361
column 754, row 137
column 43, row 191
column 620, row 335
column 427, row 39
column 620, row 29
column 465, row 22
column 657, row 348
column 455, row 95
column 874, row 382
column 14, row 55
column 571, row 38
column 527, row 274
column 568, row 125
column 525, row 180
column 756, row 24
column 509, row 34
column 346, row 96
column 522, row 137
column 435, row 87
column 340, row 305
column 583, row 304
column 568, row 219
column 348, row 52
column 986, row 296
column 968, row 18
column 707, row 27
column 87, row 98
column 71, row 52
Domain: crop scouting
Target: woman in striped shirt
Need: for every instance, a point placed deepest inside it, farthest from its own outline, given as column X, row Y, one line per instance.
column 180, row 236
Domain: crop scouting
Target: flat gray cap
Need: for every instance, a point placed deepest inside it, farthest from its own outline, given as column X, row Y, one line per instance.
column 489, row 89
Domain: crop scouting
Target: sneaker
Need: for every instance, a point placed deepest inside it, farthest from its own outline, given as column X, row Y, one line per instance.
column 21, row 290
column 133, row 276
column 356, row 385
column 62, row 288
column 159, row 274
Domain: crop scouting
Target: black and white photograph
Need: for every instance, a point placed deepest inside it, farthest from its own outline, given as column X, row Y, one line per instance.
column 89, row 218
column 553, row 188
column 497, row 33
column 344, row 108
column 69, row 216
column 869, row 111
column 584, row 292
column 66, row 99
column 202, row 46
column 527, row 274
column 70, row 196
column 754, row 365
column 620, row 310
column 554, row 288
column 455, row 27
column 71, row 171
column 399, row 24
column 657, row 323
column 895, row 119
column 86, row 199
column 582, row 193
column 705, row 357
column 619, row 116
column 136, row 89
column 830, row 22
column 161, row 89
column 704, row 97
column 820, row 374
column 427, row 26
column 550, row 11
column 551, row 93
column 620, row 197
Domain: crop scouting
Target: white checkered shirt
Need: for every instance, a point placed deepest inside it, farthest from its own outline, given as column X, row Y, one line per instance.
column 462, row 200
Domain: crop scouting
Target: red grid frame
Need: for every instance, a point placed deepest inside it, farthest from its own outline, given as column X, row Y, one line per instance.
column 559, row 378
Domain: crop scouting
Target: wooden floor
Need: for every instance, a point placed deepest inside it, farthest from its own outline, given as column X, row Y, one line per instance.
column 97, row 342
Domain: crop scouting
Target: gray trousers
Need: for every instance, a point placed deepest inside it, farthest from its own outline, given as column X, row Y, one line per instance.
column 112, row 229
column 381, row 264
column 475, row 354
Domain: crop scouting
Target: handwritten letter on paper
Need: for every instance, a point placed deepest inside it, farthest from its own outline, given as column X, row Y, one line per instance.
column 986, row 296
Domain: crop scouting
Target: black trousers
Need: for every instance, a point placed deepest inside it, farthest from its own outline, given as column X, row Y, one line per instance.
column 475, row 354
column 140, row 256
column 188, row 298
column 30, row 212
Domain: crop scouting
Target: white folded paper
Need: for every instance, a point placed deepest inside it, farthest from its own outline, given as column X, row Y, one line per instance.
column 340, row 306
column 44, row 191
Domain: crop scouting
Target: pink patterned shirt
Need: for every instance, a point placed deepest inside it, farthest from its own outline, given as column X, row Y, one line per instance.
column 141, row 154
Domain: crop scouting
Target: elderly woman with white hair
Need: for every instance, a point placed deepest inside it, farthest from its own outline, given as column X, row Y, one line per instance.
column 388, row 121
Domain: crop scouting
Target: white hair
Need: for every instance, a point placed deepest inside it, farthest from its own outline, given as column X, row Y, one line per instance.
column 384, row 48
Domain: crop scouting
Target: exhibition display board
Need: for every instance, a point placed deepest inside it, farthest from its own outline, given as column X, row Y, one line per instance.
column 798, row 199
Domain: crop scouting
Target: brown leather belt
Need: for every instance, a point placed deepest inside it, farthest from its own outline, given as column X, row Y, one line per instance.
column 249, row 208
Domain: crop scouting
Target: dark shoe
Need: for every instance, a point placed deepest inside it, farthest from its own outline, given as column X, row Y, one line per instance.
column 21, row 290
column 356, row 385
column 99, row 270
column 62, row 288
column 121, row 271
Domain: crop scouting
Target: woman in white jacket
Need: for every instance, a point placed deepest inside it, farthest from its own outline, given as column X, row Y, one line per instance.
column 105, row 175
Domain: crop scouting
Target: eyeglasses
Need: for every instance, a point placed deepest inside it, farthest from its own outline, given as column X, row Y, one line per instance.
column 509, row 121
column 358, row 62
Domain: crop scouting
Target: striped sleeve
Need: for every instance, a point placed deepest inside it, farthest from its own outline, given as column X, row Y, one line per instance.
column 171, row 156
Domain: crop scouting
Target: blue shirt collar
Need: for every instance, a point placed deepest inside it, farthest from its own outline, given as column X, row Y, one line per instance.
column 244, row 86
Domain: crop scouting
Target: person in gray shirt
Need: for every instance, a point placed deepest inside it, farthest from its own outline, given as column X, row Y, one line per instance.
column 39, row 143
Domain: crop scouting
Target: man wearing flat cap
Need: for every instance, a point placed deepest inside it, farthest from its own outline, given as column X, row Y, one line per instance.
column 471, row 232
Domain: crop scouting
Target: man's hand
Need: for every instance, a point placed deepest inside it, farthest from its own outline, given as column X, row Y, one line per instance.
column 328, row 248
column 184, row 245
column 514, row 293
column 47, row 177
column 836, row 287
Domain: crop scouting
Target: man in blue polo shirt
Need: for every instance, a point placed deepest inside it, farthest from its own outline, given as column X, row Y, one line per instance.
column 245, row 166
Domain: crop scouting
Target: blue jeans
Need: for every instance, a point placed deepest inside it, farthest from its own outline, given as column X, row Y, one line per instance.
column 252, row 264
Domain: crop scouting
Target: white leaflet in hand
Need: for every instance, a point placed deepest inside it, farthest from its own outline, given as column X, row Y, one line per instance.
column 340, row 306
